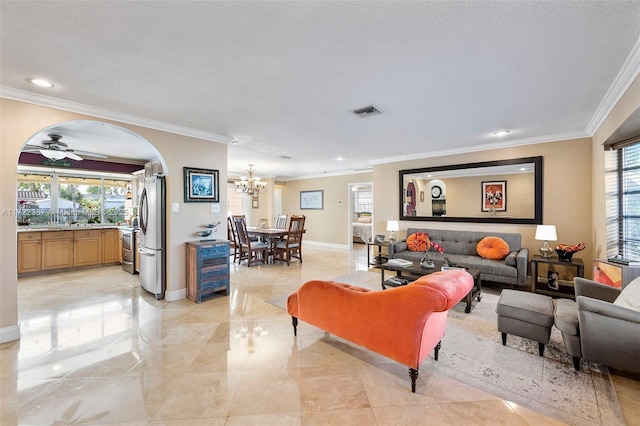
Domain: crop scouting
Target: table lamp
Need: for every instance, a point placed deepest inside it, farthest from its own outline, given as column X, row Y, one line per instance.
column 546, row 233
column 392, row 225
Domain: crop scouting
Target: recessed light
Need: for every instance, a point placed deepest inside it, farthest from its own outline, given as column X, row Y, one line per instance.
column 41, row 82
column 501, row 133
column 340, row 159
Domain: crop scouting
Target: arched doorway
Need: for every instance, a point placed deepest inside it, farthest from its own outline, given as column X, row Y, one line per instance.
column 92, row 152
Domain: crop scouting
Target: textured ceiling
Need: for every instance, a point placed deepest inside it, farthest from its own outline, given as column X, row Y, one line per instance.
column 282, row 77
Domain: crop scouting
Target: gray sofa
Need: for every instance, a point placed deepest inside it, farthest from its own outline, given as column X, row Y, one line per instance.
column 460, row 248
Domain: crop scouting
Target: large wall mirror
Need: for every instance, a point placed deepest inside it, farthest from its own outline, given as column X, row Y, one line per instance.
column 503, row 191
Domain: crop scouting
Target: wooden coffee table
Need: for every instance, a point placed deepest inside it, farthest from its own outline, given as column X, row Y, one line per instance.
column 405, row 275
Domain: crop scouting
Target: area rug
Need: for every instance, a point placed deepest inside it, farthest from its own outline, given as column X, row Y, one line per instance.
column 472, row 353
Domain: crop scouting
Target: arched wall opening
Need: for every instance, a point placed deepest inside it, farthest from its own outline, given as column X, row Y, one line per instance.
column 20, row 121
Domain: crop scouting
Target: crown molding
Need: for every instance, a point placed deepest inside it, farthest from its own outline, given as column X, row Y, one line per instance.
column 478, row 148
column 47, row 101
column 627, row 74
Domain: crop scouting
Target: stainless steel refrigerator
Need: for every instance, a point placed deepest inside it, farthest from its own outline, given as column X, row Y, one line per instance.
column 152, row 244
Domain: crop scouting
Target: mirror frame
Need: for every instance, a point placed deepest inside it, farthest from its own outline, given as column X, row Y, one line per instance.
column 538, row 172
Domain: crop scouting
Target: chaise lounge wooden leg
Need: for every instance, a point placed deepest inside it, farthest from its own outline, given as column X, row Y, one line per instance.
column 541, row 348
column 437, row 350
column 576, row 363
column 294, row 321
column 413, row 373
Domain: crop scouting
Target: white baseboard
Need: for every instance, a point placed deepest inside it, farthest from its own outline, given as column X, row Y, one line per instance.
column 327, row 245
column 172, row 296
column 9, row 334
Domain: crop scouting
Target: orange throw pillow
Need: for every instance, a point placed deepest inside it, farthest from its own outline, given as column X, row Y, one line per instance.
column 493, row 248
column 418, row 241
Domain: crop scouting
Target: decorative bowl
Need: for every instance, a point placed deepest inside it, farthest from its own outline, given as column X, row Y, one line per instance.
column 429, row 264
column 565, row 255
column 204, row 233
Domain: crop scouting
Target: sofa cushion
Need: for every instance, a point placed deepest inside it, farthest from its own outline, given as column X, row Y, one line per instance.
column 418, row 241
column 630, row 296
column 493, row 248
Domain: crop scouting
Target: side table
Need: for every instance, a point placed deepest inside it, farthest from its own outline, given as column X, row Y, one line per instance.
column 380, row 257
column 564, row 289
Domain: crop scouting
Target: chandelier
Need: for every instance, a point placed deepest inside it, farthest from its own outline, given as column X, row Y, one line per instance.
column 250, row 184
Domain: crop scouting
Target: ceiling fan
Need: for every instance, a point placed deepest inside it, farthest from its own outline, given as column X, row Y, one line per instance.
column 54, row 149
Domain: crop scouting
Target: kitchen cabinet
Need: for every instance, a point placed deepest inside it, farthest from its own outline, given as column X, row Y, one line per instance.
column 29, row 252
column 57, row 250
column 207, row 269
column 110, row 246
column 87, row 247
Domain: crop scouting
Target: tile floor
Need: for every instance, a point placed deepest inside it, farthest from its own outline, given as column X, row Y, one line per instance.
column 96, row 349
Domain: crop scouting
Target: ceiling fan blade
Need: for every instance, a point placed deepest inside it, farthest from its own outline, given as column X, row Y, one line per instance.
column 73, row 156
column 53, row 154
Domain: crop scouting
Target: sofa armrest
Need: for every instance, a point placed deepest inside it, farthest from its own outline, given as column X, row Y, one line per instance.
column 522, row 264
column 595, row 290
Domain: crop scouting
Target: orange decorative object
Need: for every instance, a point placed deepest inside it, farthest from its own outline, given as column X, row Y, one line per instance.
column 418, row 241
column 493, row 248
column 402, row 323
column 608, row 274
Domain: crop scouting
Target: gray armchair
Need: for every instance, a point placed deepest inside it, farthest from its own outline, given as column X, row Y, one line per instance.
column 595, row 329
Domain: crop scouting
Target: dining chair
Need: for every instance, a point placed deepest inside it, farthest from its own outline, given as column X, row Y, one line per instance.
column 232, row 236
column 291, row 246
column 244, row 220
column 281, row 221
column 250, row 250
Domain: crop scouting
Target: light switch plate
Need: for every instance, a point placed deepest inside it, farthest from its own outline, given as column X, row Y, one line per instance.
column 215, row 207
column 175, row 207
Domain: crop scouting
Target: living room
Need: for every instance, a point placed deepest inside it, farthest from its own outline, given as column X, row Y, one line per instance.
column 574, row 194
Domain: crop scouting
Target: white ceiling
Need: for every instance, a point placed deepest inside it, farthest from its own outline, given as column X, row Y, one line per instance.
column 282, row 76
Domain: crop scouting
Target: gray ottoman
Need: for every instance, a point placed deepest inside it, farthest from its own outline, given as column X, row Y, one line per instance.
column 527, row 315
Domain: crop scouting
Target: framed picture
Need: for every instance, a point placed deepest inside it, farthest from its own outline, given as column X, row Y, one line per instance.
column 255, row 203
column 312, row 200
column 552, row 280
column 201, row 185
column 379, row 238
column 494, row 194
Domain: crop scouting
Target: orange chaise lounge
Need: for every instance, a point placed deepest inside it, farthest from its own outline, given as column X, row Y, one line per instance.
column 402, row 323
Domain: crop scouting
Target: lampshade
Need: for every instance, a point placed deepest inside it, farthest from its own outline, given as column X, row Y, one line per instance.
column 546, row 233
column 392, row 225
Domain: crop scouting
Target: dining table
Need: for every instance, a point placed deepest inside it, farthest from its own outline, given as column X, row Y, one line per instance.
column 270, row 235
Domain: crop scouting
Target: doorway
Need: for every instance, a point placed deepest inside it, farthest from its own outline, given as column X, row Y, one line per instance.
column 360, row 212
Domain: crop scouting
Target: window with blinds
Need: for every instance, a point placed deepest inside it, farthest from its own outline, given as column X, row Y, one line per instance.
column 630, row 201
column 622, row 186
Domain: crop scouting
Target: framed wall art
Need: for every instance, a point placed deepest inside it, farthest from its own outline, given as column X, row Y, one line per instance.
column 201, row 185
column 494, row 195
column 312, row 200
